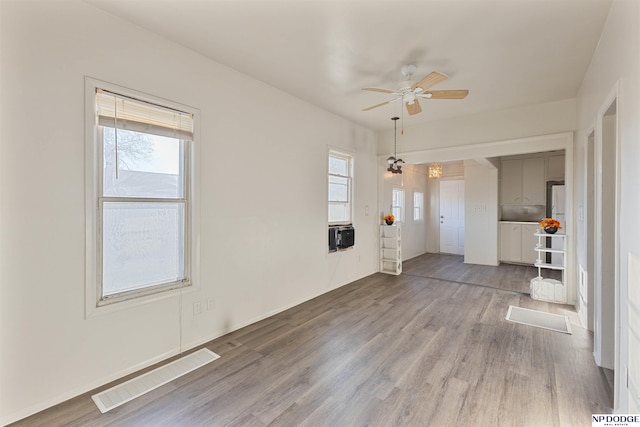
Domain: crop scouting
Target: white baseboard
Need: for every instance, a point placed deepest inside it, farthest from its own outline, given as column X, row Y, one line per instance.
column 18, row 415
column 77, row 391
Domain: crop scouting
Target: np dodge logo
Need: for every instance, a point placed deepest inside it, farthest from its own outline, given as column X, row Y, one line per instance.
column 615, row 420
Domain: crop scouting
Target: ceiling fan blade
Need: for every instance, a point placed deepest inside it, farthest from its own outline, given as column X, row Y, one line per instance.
column 377, row 105
column 431, row 80
column 414, row 108
column 445, row 94
column 375, row 89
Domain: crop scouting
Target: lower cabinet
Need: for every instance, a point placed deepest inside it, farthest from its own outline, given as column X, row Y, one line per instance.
column 517, row 243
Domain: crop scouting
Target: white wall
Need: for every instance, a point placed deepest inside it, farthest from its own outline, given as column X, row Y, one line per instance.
column 480, row 213
column 414, row 234
column 261, row 249
column 616, row 62
column 502, row 125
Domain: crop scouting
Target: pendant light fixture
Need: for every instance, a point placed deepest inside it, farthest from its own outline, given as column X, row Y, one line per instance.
column 395, row 164
column 435, row 170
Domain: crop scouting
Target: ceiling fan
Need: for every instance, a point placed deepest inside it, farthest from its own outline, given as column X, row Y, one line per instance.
column 409, row 92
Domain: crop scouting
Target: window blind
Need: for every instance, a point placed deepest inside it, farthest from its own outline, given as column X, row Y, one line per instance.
column 122, row 112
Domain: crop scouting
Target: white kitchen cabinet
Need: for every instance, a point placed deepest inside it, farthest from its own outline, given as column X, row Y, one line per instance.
column 517, row 242
column 511, row 183
column 533, row 181
column 555, row 168
column 510, row 242
column 523, row 181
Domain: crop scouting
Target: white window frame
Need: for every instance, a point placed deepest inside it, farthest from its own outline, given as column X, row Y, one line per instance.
column 418, row 206
column 398, row 203
column 349, row 177
column 94, row 302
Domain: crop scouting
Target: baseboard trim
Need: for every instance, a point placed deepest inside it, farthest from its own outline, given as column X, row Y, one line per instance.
column 78, row 391
column 91, row 386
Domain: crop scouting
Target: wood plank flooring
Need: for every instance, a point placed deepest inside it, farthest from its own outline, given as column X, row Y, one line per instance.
column 383, row 351
column 510, row 277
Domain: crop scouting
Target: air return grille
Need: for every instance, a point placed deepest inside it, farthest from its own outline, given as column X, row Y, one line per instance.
column 135, row 387
column 539, row 319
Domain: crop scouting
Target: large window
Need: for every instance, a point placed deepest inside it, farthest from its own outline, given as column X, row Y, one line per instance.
column 397, row 204
column 340, row 187
column 142, row 196
column 418, row 206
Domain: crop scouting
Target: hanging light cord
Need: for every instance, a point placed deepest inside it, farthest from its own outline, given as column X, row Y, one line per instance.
column 395, row 137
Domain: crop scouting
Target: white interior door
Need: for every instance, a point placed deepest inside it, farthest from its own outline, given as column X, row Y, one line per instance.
column 452, row 217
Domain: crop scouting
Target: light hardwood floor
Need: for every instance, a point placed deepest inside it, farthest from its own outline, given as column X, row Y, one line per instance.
column 409, row 350
column 510, row 277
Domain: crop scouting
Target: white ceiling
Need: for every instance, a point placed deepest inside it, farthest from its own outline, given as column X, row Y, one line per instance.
column 506, row 52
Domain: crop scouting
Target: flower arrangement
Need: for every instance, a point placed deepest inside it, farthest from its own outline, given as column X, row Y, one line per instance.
column 549, row 222
column 389, row 218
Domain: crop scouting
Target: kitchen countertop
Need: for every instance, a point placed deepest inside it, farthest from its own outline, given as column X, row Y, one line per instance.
column 518, row 222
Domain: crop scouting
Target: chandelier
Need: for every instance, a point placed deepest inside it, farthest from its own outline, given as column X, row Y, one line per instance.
column 395, row 164
column 435, row 170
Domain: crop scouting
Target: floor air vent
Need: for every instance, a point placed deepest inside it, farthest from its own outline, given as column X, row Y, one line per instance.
column 135, row 387
column 539, row 319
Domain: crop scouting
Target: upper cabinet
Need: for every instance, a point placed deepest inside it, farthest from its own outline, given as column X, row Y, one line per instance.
column 523, row 181
column 511, row 193
column 533, row 182
column 555, row 168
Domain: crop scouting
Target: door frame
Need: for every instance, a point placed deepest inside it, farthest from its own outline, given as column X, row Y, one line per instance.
column 613, row 97
column 590, row 223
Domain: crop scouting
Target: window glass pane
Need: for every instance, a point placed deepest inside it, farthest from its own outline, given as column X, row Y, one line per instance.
column 397, row 202
column 148, row 165
column 418, row 204
column 143, row 245
column 396, row 213
column 338, row 189
column 338, row 212
column 338, row 166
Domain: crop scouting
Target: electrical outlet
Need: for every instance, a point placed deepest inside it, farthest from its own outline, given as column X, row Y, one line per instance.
column 211, row 304
column 197, row 308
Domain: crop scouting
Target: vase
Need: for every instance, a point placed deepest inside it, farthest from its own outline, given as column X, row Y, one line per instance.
column 550, row 230
column 389, row 222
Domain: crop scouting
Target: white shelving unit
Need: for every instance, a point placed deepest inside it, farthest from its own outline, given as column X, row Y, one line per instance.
column 547, row 289
column 391, row 249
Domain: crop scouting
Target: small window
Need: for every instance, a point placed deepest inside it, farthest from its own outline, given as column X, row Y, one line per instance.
column 340, row 188
column 142, row 173
column 418, row 206
column 397, row 204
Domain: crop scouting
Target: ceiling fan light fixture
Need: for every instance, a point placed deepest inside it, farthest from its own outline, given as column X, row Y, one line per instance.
column 409, row 91
column 409, row 98
column 435, row 170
